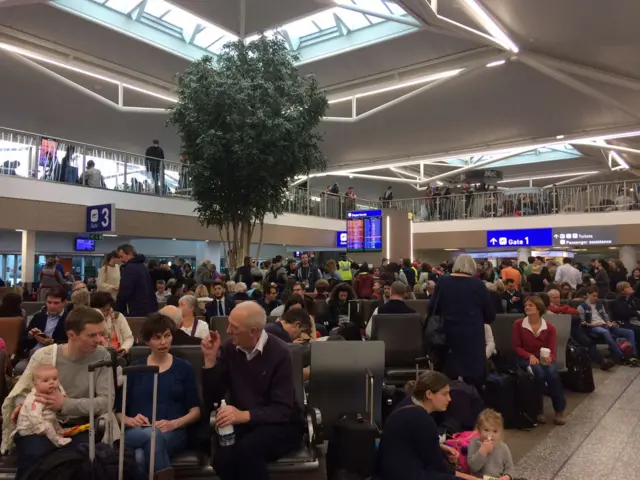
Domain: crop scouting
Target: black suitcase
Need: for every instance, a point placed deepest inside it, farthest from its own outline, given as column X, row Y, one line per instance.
column 579, row 375
column 352, row 447
column 507, row 394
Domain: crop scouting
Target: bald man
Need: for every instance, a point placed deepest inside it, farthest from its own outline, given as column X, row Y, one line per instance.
column 179, row 337
column 253, row 370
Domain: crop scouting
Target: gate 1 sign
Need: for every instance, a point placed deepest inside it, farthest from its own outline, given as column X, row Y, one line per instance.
column 531, row 237
column 101, row 218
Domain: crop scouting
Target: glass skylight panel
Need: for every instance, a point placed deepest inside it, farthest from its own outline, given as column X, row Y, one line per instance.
column 122, row 6
column 353, row 20
column 158, row 8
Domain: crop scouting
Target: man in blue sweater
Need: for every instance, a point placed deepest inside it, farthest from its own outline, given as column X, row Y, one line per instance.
column 253, row 371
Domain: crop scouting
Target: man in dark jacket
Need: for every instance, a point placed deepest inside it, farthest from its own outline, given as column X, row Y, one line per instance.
column 221, row 305
column 154, row 156
column 395, row 305
column 43, row 328
column 307, row 273
column 136, row 296
column 243, row 274
column 512, row 297
column 626, row 309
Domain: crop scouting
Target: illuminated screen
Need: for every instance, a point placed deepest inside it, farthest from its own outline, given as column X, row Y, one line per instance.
column 364, row 231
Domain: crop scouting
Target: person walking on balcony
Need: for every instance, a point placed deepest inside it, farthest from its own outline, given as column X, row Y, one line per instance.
column 387, row 197
column 153, row 160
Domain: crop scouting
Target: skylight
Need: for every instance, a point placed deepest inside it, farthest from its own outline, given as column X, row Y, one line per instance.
column 320, row 34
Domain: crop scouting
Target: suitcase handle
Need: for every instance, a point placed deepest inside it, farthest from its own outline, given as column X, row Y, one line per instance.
column 103, row 363
column 369, row 393
column 140, row 369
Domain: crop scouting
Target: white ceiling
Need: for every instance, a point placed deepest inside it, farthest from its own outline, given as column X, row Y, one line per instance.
column 481, row 109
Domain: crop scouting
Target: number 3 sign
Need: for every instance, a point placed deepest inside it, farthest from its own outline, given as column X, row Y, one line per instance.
column 101, row 218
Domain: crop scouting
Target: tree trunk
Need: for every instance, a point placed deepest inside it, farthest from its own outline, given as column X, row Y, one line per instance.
column 260, row 239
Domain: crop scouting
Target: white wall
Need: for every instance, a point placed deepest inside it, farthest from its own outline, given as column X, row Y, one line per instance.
column 44, row 191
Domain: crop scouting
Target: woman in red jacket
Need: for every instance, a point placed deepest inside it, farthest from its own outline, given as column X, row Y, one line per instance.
column 531, row 335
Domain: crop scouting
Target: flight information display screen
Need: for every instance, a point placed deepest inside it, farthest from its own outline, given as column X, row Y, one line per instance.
column 364, row 231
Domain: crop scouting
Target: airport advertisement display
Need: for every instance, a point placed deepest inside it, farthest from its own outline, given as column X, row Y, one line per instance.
column 364, row 231
column 552, row 237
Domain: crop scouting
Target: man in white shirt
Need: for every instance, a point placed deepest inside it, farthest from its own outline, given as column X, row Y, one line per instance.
column 92, row 177
column 567, row 273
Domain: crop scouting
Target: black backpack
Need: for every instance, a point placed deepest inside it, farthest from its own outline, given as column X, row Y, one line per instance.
column 73, row 464
column 411, row 276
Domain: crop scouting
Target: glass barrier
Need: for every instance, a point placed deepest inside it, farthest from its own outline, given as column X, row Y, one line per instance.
column 594, row 197
column 35, row 156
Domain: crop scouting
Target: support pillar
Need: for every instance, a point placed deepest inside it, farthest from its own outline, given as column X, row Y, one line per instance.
column 208, row 251
column 28, row 256
column 523, row 254
column 628, row 257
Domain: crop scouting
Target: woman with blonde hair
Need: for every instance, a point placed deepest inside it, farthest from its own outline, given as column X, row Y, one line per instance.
column 202, row 294
column 109, row 274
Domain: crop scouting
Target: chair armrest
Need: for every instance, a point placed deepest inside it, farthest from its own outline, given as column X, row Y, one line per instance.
column 424, row 362
column 313, row 418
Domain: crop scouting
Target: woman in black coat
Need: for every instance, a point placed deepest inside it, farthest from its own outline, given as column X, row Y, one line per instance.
column 463, row 303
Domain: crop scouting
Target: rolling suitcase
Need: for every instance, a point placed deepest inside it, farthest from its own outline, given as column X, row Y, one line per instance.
column 352, row 448
column 515, row 396
column 125, row 372
column 579, row 375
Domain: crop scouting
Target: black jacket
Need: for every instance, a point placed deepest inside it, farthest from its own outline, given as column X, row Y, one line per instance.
column 137, row 294
column 624, row 309
column 211, row 309
column 39, row 320
column 160, row 273
column 514, row 307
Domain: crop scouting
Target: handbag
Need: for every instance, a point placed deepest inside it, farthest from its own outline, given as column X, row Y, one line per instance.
column 435, row 335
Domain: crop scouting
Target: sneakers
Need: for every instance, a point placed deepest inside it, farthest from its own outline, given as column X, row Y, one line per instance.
column 541, row 419
column 607, row 365
column 631, row 362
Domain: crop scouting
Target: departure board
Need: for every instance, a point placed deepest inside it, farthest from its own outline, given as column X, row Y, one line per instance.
column 364, row 231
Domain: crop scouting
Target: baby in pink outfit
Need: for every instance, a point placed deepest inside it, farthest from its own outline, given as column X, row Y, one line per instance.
column 34, row 418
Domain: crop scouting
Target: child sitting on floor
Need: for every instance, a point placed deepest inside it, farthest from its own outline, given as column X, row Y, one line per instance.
column 34, row 418
column 488, row 456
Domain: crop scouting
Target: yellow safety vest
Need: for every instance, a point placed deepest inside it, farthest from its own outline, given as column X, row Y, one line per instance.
column 345, row 269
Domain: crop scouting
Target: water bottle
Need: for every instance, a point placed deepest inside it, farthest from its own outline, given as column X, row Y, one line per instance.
column 226, row 435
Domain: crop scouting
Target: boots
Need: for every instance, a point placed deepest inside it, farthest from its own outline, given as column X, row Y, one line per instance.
column 165, row 474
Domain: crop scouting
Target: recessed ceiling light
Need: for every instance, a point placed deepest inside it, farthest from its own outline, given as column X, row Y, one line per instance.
column 559, row 137
column 496, row 63
column 451, row 249
column 173, row 239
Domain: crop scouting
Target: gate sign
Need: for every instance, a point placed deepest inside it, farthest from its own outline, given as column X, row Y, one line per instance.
column 341, row 239
column 101, row 218
column 531, row 237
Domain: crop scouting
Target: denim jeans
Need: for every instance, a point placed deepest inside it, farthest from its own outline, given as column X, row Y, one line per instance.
column 167, row 445
column 610, row 335
column 579, row 334
column 548, row 381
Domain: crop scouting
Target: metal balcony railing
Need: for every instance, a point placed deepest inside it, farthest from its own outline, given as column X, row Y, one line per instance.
column 38, row 157
column 594, row 197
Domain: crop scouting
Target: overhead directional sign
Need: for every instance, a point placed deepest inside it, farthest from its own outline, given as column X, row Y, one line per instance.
column 584, row 236
column 531, row 237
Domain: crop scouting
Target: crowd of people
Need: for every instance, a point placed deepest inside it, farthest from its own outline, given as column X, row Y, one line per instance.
column 309, row 303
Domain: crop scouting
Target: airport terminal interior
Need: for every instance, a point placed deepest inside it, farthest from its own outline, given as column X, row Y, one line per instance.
column 497, row 140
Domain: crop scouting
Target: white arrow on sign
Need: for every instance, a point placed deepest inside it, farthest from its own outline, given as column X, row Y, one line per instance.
column 493, row 241
column 555, row 236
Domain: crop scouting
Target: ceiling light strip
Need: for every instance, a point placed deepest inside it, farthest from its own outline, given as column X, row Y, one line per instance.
column 486, row 20
column 545, row 177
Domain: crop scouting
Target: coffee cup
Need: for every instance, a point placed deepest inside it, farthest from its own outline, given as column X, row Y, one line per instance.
column 545, row 352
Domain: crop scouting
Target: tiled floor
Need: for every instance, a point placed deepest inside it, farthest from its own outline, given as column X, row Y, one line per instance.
column 600, row 439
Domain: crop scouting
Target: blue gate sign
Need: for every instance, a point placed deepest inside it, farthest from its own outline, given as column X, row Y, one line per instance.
column 341, row 239
column 530, row 237
column 101, row 218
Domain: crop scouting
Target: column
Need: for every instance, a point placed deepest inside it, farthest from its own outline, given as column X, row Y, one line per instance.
column 628, row 257
column 523, row 254
column 208, row 251
column 28, row 256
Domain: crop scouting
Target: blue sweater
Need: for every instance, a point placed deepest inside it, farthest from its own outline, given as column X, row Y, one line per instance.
column 177, row 392
column 263, row 386
column 410, row 447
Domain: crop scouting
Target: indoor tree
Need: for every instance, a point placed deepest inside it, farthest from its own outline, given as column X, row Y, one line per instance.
column 249, row 125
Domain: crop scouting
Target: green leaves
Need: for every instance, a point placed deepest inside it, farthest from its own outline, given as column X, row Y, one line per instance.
column 248, row 123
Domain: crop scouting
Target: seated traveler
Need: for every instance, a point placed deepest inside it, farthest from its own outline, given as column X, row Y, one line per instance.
column 253, row 371
column 322, row 290
column 395, row 305
column 43, row 328
column 118, row 333
column 410, row 445
column 339, row 306
column 577, row 332
column 240, row 294
column 178, row 402
column 595, row 319
column 512, row 297
column 179, row 337
column 161, row 291
column 11, row 306
column 295, row 326
column 221, row 305
column 488, row 455
column 270, row 299
column 190, row 324
column 534, row 342
column 84, row 327
column 496, row 298
column 626, row 309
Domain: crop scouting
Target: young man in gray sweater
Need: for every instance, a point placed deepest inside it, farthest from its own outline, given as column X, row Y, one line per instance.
column 85, row 327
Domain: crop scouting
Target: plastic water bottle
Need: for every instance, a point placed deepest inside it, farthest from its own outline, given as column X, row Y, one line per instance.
column 226, row 435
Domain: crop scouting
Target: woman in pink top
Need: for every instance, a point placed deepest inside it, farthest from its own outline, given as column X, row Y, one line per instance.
column 530, row 335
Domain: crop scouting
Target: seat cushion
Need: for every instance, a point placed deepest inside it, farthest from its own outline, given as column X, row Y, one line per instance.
column 189, row 459
column 300, row 455
column 408, row 373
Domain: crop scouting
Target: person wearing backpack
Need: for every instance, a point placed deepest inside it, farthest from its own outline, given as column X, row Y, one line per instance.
column 409, row 272
column 363, row 282
column 277, row 274
column 307, row 273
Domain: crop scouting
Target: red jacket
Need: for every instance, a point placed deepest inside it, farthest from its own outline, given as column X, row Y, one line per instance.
column 562, row 309
column 525, row 343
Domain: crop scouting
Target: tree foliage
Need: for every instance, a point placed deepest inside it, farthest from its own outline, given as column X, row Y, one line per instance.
column 248, row 123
